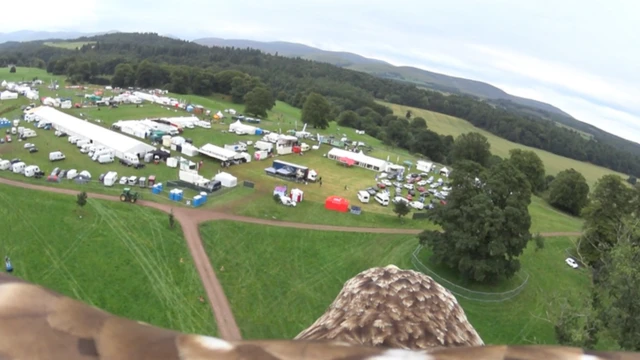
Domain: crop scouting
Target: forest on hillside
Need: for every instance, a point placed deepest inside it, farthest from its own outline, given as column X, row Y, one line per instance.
column 151, row 61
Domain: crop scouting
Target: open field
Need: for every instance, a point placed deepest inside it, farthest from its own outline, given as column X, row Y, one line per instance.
column 279, row 281
column 118, row 257
column 448, row 125
column 67, row 44
column 522, row 320
column 283, row 117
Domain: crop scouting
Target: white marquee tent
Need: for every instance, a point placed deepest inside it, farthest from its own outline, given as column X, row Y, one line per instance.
column 243, row 127
column 120, row 143
column 360, row 159
column 226, row 179
column 8, row 95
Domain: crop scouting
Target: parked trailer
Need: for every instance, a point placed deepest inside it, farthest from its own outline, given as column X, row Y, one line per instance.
column 292, row 170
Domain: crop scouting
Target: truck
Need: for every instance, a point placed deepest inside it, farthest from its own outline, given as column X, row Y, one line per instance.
column 291, row 170
column 224, row 155
column 198, row 181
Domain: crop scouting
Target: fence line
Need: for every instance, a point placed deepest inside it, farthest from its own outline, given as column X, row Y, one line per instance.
column 465, row 293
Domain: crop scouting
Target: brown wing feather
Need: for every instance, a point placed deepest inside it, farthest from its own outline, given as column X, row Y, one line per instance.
column 38, row 324
column 394, row 308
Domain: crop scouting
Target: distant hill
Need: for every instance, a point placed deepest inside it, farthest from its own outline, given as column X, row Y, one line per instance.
column 423, row 78
column 29, row 35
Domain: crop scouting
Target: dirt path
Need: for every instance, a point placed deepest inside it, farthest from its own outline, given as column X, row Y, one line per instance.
column 190, row 218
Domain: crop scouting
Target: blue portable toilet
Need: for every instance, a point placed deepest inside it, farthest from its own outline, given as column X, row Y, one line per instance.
column 179, row 194
column 160, row 186
column 189, row 108
column 204, row 196
column 172, row 195
column 258, row 131
column 5, row 123
column 197, row 201
column 156, row 189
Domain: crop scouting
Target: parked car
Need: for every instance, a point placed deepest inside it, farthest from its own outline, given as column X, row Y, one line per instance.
column 572, row 263
column 286, row 201
column 123, row 180
column 62, row 173
column 386, row 182
column 28, row 145
column 381, row 185
column 422, row 183
column 55, row 172
column 33, row 150
column 371, row 190
column 408, row 186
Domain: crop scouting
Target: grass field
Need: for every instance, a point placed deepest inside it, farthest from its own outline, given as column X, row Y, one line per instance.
column 283, row 117
column 279, row 281
column 67, row 44
column 118, row 257
column 448, row 125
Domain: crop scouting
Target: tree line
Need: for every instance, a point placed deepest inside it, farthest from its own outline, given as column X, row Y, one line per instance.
column 149, row 60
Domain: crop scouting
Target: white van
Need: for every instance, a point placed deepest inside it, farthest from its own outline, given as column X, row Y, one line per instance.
column 106, row 158
column 85, row 148
column 99, row 153
column 382, row 198
column 73, row 139
column 31, row 170
column 132, row 158
column 18, row 168
column 5, row 164
column 363, row 196
column 56, row 156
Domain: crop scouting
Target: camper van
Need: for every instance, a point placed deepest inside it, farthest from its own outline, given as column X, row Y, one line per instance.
column 382, row 198
column 363, row 196
column 106, row 158
column 5, row 164
column 18, row 168
column 56, row 156
column 31, row 171
column 110, row 179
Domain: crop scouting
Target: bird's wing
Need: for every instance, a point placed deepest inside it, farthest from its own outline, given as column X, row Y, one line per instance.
column 39, row 324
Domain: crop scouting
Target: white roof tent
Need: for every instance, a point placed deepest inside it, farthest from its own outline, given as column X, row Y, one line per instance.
column 360, row 159
column 122, row 144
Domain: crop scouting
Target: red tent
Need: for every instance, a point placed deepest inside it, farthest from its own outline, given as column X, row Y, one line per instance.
column 336, row 203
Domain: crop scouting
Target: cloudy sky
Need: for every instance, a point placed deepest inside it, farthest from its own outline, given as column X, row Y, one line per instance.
column 581, row 56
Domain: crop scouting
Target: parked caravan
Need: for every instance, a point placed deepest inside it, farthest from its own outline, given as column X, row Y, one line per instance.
column 5, row 164
column 56, row 156
column 363, row 196
column 131, row 158
column 382, row 198
column 73, row 139
column 85, row 148
column 14, row 130
column 105, row 159
column 28, row 133
column 31, row 171
column 99, row 153
column 18, row 168
column 110, row 179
